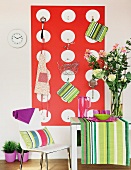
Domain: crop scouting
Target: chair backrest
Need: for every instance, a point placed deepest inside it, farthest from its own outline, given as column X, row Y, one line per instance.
column 32, row 134
column 35, row 123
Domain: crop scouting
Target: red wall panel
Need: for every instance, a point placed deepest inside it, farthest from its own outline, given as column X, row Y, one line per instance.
column 56, row 46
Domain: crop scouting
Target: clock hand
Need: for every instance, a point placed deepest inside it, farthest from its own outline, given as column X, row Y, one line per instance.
column 18, row 37
column 15, row 37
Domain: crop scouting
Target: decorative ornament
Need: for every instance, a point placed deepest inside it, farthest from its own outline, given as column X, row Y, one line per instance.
column 92, row 84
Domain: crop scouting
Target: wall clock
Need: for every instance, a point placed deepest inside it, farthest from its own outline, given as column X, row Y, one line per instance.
column 17, row 38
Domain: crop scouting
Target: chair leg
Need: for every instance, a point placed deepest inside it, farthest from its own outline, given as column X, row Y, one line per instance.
column 69, row 159
column 46, row 161
column 21, row 160
column 41, row 160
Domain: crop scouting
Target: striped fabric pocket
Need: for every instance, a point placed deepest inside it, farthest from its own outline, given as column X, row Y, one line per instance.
column 96, row 31
column 68, row 92
column 37, row 138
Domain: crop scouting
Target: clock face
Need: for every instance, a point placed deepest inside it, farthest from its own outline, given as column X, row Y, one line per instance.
column 17, row 38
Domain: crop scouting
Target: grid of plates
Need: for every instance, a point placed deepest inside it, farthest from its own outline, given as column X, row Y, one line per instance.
column 69, row 29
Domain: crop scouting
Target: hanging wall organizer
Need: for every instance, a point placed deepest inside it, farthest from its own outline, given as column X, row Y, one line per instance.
column 64, row 42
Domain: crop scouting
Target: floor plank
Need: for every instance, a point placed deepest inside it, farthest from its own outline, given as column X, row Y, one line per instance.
column 56, row 164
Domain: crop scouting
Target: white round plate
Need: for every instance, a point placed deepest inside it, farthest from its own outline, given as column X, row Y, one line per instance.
column 47, row 55
column 67, row 114
column 45, row 116
column 90, row 113
column 90, row 40
column 95, row 53
column 88, row 75
column 67, row 36
column 43, row 13
column 67, row 56
column 45, row 99
column 92, row 13
column 68, row 15
column 96, row 95
column 47, row 36
column 68, row 77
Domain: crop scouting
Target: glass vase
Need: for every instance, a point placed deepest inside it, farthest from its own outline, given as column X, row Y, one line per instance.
column 116, row 104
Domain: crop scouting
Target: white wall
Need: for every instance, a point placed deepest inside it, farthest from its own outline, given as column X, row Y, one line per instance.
column 15, row 64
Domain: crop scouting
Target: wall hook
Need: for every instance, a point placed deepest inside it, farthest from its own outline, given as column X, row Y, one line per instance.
column 43, row 20
column 92, row 18
column 68, row 45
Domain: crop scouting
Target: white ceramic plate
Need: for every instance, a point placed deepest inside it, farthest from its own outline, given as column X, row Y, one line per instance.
column 68, row 15
column 88, row 75
column 43, row 13
column 45, row 99
column 67, row 36
column 95, row 53
column 67, row 56
column 90, row 40
column 47, row 55
column 67, row 114
column 45, row 117
column 92, row 13
column 90, row 113
column 96, row 95
column 47, row 36
column 65, row 76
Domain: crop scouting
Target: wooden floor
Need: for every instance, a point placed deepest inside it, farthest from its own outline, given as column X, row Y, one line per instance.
column 57, row 165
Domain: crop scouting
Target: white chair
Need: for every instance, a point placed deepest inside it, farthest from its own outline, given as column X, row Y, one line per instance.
column 35, row 123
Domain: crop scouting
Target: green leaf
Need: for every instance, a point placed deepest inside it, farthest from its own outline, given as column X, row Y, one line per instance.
column 125, row 86
column 9, row 146
column 128, row 76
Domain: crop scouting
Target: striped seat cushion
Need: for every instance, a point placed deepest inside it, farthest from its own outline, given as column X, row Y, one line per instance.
column 96, row 31
column 37, row 138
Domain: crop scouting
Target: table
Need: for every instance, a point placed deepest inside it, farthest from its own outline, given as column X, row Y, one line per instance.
column 75, row 126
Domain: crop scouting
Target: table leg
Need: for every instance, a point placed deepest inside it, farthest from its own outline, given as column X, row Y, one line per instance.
column 74, row 147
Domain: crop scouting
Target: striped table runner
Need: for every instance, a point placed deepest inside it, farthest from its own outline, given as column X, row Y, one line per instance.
column 96, row 31
column 104, row 142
